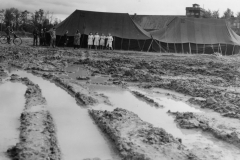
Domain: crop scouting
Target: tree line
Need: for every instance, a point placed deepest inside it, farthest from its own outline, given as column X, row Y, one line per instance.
column 26, row 21
column 226, row 15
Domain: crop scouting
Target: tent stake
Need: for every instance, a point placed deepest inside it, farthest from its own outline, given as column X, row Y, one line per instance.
column 150, row 46
column 160, row 47
column 233, row 49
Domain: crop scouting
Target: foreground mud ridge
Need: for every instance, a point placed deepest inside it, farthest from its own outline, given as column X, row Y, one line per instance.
column 136, row 139
column 37, row 130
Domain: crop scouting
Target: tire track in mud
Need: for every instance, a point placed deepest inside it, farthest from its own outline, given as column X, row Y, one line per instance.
column 37, row 130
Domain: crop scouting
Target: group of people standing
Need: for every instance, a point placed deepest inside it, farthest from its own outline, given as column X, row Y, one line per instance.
column 99, row 41
column 39, row 35
column 93, row 40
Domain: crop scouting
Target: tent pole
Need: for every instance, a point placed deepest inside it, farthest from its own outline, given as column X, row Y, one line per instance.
column 175, row 48
column 114, row 42
column 139, row 45
column 203, row 48
column 167, row 48
column 150, row 46
column 226, row 50
column 197, row 48
column 190, row 50
column 220, row 48
column 143, row 45
column 160, row 47
column 128, row 44
column 182, row 48
column 233, row 49
column 121, row 43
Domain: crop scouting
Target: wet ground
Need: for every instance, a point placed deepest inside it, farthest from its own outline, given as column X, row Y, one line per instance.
column 12, row 104
column 204, row 85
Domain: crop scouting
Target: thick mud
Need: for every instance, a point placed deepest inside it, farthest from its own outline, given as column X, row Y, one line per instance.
column 78, row 137
column 136, row 139
column 37, row 131
column 207, row 89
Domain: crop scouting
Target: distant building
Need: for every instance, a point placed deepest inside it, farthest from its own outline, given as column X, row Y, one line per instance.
column 195, row 11
column 234, row 23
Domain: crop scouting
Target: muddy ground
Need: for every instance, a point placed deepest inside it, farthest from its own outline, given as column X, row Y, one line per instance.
column 211, row 82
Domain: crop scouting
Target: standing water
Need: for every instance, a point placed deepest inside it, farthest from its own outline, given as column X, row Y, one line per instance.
column 11, row 106
column 78, row 136
column 193, row 139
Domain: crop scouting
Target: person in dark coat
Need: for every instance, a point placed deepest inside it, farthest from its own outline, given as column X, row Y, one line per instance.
column 77, row 38
column 65, row 38
column 41, row 36
column 8, row 31
column 35, row 37
column 44, row 36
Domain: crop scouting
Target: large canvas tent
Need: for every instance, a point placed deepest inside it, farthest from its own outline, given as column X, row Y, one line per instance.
column 195, row 35
column 153, row 22
column 127, row 34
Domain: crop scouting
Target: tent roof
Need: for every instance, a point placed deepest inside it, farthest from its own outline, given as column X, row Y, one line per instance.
column 118, row 24
column 153, row 22
column 196, row 30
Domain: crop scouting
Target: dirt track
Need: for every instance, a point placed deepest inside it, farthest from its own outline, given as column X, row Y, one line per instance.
column 210, row 82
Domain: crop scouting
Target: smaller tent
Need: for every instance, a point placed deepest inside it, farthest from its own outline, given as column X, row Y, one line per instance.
column 195, row 35
column 127, row 34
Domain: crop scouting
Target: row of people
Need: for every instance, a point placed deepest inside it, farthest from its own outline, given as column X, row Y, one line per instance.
column 93, row 40
column 39, row 35
column 96, row 40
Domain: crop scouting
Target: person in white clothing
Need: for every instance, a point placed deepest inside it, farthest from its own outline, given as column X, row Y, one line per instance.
column 90, row 40
column 109, row 41
column 102, row 41
column 96, row 40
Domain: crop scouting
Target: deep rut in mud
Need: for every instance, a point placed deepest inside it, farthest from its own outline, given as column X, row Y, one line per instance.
column 78, row 137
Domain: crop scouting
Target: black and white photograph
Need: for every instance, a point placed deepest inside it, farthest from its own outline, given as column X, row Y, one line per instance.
column 119, row 80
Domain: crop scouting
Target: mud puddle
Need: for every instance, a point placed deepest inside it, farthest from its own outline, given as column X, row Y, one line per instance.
column 78, row 136
column 76, row 71
column 194, row 139
column 11, row 106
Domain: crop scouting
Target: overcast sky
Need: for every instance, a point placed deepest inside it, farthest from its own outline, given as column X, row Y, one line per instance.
column 62, row 8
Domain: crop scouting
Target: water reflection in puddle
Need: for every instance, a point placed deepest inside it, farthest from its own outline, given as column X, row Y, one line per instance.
column 159, row 118
column 11, row 106
column 78, row 136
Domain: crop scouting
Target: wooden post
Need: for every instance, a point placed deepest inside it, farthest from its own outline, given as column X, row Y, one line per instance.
column 197, row 48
